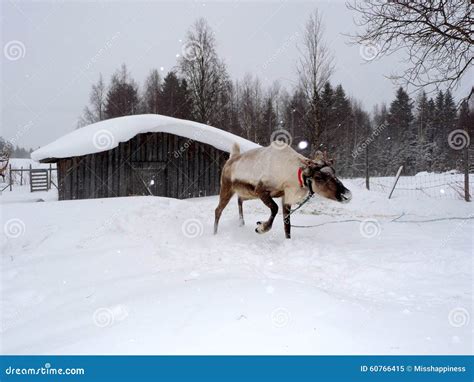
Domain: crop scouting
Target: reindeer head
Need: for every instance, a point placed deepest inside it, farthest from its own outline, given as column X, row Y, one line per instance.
column 323, row 178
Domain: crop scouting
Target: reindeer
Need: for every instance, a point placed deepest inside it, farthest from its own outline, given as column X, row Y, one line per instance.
column 277, row 171
column 4, row 160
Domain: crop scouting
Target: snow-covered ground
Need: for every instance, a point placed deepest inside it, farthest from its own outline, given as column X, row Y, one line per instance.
column 145, row 275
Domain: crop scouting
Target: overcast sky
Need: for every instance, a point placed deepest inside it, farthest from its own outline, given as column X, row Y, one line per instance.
column 64, row 45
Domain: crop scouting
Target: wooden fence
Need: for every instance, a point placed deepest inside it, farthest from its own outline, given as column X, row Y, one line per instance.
column 29, row 176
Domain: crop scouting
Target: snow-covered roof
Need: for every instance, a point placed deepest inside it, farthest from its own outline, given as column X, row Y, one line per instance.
column 106, row 135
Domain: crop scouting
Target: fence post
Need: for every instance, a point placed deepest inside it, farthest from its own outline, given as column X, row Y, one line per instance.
column 21, row 176
column 50, row 176
column 11, row 178
column 466, row 174
column 395, row 181
column 367, row 167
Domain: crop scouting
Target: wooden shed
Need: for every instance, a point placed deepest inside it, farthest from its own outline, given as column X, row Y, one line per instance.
column 140, row 155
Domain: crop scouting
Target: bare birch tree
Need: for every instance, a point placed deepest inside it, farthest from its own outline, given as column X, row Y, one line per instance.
column 315, row 66
column 96, row 111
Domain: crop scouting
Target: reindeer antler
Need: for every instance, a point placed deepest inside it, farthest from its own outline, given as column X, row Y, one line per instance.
column 319, row 157
column 327, row 159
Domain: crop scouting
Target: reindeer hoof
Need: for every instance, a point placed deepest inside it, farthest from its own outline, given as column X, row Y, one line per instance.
column 259, row 223
column 261, row 228
column 241, row 222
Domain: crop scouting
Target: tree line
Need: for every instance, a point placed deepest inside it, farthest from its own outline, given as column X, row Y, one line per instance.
column 415, row 133
column 315, row 115
column 7, row 149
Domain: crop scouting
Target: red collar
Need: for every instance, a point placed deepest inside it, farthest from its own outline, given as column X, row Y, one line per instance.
column 300, row 176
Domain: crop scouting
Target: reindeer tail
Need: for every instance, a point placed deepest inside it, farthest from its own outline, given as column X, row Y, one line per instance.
column 235, row 150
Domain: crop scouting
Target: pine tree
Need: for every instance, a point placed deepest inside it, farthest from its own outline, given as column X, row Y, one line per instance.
column 439, row 133
column 122, row 97
column 465, row 122
column 294, row 113
column 402, row 137
column 269, row 122
column 174, row 97
column 450, row 123
column 152, row 93
column 423, row 125
column 342, row 128
column 380, row 144
column 328, row 139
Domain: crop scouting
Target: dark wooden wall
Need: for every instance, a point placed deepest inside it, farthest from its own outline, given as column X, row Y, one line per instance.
column 153, row 163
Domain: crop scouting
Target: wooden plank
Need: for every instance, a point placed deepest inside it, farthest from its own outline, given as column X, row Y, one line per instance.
column 180, row 166
column 212, row 180
column 110, row 171
column 184, row 155
column 93, row 184
column 201, row 169
column 67, row 192
column 195, row 170
column 116, row 172
column 174, row 178
column 98, row 172
column 61, row 174
column 128, row 170
column 74, row 178
column 207, row 165
column 80, row 178
column 87, row 176
column 122, row 185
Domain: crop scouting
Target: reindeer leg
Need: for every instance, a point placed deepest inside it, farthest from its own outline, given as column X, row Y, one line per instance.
column 224, row 197
column 270, row 203
column 286, row 219
column 241, row 211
